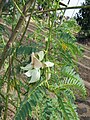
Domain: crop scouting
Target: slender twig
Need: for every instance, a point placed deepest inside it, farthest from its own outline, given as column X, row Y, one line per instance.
column 11, row 110
column 64, row 8
column 27, row 24
column 49, row 36
column 8, row 88
column 18, row 9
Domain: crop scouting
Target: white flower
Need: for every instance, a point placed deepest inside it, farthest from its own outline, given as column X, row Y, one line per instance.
column 49, row 64
column 34, row 74
column 27, row 67
column 41, row 55
column 33, row 69
column 35, row 62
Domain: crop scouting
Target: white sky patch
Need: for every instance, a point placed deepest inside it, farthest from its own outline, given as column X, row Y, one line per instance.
column 72, row 12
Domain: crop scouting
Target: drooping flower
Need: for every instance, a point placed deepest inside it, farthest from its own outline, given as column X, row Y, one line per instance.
column 36, row 63
column 34, row 74
column 33, row 69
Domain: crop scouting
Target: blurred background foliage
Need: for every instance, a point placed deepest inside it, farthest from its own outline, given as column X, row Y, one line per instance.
column 83, row 19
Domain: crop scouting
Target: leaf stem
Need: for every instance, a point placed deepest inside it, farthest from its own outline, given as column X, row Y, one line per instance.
column 8, row 88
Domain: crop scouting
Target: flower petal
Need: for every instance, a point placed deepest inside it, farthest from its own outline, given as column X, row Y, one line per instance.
column 27, row 67
column 41, row 55
column 48, row 76
column 35, row 76
column 29, row 73
column 48, row 64
column 35, row 62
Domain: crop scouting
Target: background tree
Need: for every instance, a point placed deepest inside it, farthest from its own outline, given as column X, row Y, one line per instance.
column 83, row 19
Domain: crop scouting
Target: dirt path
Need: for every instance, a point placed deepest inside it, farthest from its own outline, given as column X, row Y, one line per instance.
column 84, row 71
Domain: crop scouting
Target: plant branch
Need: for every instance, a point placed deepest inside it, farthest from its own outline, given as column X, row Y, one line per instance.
column 27, row 24
column 64, row 8
column 15, row 32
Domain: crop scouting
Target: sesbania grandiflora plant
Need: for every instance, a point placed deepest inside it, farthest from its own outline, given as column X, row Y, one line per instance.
column 38, row 77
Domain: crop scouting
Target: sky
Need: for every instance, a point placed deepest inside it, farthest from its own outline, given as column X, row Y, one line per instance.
column 72, row 12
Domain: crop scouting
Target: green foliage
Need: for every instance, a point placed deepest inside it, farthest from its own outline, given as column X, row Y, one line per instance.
column 72, row 80
column 52, row 97
column 29, row 103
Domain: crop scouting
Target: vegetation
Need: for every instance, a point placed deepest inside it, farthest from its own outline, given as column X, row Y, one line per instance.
column 38, row 73
column 83, row 19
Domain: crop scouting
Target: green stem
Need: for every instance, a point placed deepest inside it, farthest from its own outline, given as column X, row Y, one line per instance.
column 6, row 104
column 8, row 88
column 18, row 9
column 27, row 24
column 64, row 8
column 49, row 36
column 13, row 18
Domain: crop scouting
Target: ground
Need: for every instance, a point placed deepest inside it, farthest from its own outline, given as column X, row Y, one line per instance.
column 84, row 71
